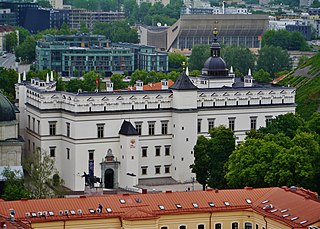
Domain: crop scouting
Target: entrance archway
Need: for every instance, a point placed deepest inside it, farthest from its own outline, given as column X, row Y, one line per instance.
column 109, row 179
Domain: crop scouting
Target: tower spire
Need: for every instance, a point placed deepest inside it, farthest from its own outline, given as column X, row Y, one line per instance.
column 215, row 46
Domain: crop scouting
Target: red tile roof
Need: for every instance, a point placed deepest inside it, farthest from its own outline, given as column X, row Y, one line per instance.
column 152, row 86
column 298, row 203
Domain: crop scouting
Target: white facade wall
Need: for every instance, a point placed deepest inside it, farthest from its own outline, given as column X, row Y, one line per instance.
column 180, row 109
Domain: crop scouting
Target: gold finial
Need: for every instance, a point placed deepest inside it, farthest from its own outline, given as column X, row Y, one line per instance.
column 215, row 32
column 183, row 65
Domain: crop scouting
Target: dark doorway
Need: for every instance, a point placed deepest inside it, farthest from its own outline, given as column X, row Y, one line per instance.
column 108, row 179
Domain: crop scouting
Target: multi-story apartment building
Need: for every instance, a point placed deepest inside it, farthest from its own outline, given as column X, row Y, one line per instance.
column 147, row 133
column 7, row 17
column 82, row 53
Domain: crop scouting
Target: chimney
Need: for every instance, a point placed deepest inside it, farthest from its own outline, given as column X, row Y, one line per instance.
column 248, row 80
column 109, row 86
column 19, row 78
column 24, row 76
column 47, row 81
column 164, row 84
column 139, row 85
column 51, row 78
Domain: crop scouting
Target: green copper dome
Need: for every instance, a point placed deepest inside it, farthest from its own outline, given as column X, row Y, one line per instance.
column 7, row 111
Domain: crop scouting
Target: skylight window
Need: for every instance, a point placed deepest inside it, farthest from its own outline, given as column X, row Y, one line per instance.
column 284, row 210
column 286, row 215
column 92, row 211
column 303, row 222
column 274, row 210
column 51, row 213
column 264, row 202
column 72, row 212
column 161, row 207
column 211, row 204
column 122, row 201
column 109, row 210
column 226, row 203
column 178, row 206
column 33, row 214
column 138, row 200
column 249, row 201
column 195, row 205
column 294, row 218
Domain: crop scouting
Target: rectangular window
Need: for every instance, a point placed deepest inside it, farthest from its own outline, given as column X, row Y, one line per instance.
column 139, row 127
column 183, row 227
column 33, row 147
column 68, row 153
column 235, row 226
column 100, row 130
column 29, row 121
column 199, row 125
column 217, row 226
column 144, row 170
column 201, row 226
column 33, row 124
column 248, row 226
column 232, row 123
column 268, row 120
column 210, row 124
column 167, row 169
column 52, row 128
column 253, row 123
column 158, row 148
column 52, row 151
column 144, row 151
column 29, row 145
column 68, row 129
column 157, row 169
column 151, row 128
column 38, row 126
column 164, row 127
column 167, row 150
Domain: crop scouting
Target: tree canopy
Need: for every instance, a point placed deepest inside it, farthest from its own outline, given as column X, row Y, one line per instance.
column 14, row 188
column 240, row 58
column 285, row 39
column 273, row 59
column 199, row 54
column 211, row 156
column 175, row 60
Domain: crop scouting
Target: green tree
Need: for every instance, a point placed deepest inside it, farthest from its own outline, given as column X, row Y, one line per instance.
column 118, row 82
column 314, row 123
column 40, row 168
column 139, row 75
column 201, row 163
column 285, row 39
column 26, row 51
column 273, row 59
column 200, row 53
column 262, row 76
column 175, row 60
column 11, row 41
column 173, row 75
column 287, row 124
column 14, row 188
column 239, row 58
column 44, row 3
column 83, row 27
column 302, row 60
column 23, row 34
column 8, row 78
column 90, row 81
column 211, row 156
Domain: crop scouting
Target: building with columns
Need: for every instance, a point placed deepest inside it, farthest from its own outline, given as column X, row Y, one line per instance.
column 130, row 136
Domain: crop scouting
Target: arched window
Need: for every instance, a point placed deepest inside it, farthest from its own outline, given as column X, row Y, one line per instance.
column 235, row 226
column 200, row 226
column 248, row 226
column 183, row 227
column 164, row 227
column 217, row 226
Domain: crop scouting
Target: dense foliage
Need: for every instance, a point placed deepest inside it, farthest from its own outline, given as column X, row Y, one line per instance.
column 285, row 39
column 14, row 188
column 200, row 53
column 8, row 78
column 211, row 156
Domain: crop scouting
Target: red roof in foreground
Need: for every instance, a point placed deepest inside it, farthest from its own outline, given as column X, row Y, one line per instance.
column 296, row 208
column 152, row 86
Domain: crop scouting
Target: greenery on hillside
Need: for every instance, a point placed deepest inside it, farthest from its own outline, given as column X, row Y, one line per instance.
column 308, row 87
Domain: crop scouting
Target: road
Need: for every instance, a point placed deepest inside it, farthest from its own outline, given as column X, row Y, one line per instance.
column 10, row 62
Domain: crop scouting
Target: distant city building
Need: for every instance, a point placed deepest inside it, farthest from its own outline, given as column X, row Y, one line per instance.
column 164, row 2
column 314, row 11
column 304, row 29
column 306, row 3
column 148, row 133
column 76, row 54
column 56, row 4
column 247, row 208
column 214, row 10
column 76, row 16
column 7, row 17
column 264, row 2
column 4, row 29
column 234, row 29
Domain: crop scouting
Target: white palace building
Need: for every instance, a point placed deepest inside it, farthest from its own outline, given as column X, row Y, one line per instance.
column 128, row 137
